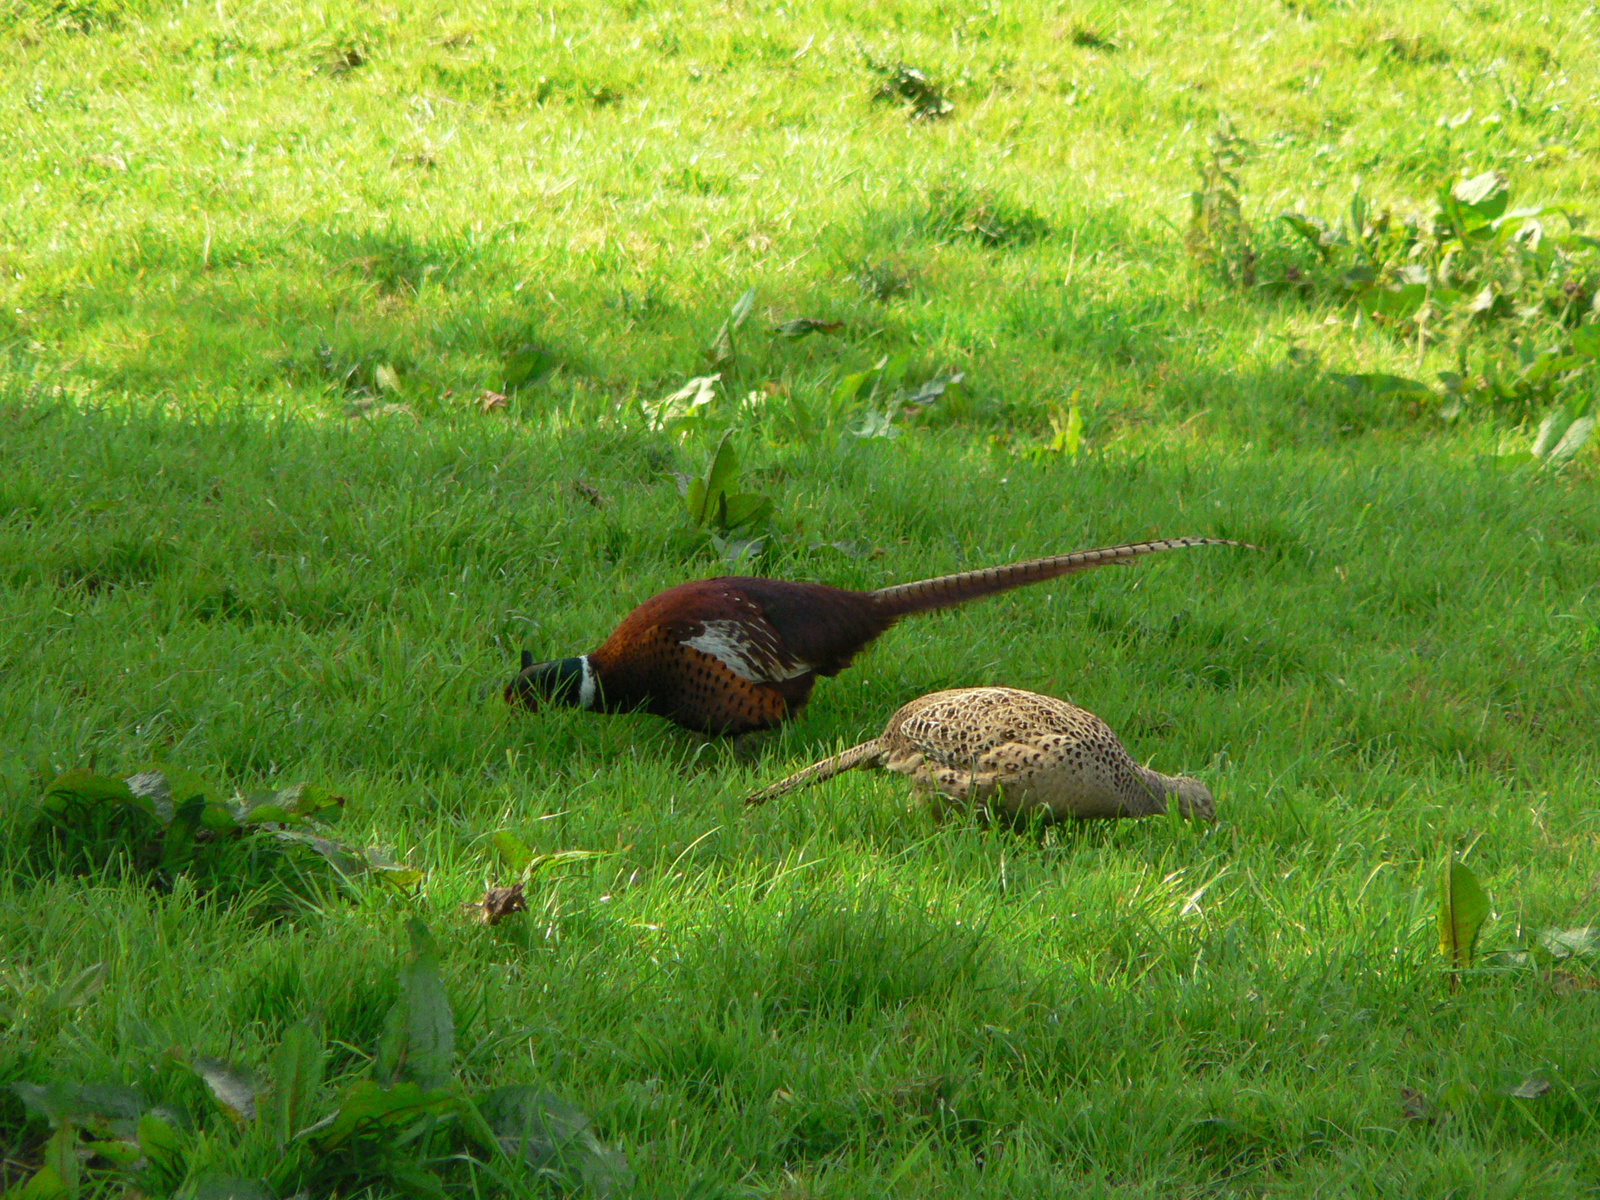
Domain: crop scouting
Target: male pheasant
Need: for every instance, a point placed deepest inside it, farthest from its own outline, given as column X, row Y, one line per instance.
column 731, row 655
column 1039, row 754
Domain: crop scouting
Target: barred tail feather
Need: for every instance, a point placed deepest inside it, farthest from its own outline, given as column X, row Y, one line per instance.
column 866, row 754
column 946, row 590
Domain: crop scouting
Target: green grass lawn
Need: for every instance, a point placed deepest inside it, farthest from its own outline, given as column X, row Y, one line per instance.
column 313, row 319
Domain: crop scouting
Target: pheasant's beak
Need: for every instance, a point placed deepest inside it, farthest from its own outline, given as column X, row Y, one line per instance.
column 520, row 692
column 1195, row 800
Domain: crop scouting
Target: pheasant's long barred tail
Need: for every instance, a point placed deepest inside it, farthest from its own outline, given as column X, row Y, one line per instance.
column 907, row 598
column 848, row 760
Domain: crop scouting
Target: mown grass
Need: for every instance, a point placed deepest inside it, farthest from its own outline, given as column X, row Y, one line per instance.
column 218, row 223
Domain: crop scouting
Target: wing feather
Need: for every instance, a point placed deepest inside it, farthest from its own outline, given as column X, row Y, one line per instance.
column 751, row 649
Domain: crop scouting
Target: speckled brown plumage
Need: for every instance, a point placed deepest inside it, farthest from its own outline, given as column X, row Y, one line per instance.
column 1015, row 750
column 730, row 655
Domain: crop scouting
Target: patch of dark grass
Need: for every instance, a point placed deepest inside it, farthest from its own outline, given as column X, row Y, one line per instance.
column 397, row 263
column 1086, row 37
column 74, row 16
column 1086, row 327
column 1400, row 47
column 982, row 215
column 923, row 98
column 835, row 957
column 883, row 281
column 508, row 89
column 120, row 563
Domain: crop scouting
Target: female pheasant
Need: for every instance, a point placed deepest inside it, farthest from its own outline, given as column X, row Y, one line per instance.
column 731, row 655
column 1033, row 753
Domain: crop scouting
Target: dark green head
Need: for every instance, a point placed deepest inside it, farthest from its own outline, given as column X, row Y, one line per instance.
column 567, row 681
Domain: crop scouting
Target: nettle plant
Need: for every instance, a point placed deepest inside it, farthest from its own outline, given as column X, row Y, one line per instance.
column 1219, row 238
column 737, row 521
column 873, row 402
column 886, row 395
column 1512, row 297
column 713, row 401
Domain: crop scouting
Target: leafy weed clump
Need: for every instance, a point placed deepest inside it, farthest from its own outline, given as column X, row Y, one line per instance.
column 924, row 99
column 402, row 1121
column 1510, row 298
column 263, row 850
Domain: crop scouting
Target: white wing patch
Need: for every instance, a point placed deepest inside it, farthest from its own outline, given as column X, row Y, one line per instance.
column 751, row 650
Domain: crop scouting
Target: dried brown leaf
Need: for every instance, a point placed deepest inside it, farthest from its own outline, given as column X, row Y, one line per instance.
column 801, row 327
column 367, row 407
column 589, row 492
column 1565, row 983
column 502, row 902
column 490, row 401
column 1414, row 1106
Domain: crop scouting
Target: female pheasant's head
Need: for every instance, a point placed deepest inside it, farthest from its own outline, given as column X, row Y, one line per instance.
column 565, row 681
column 1195, row 799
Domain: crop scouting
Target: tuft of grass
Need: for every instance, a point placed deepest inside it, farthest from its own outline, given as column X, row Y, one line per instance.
column 986, row 218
